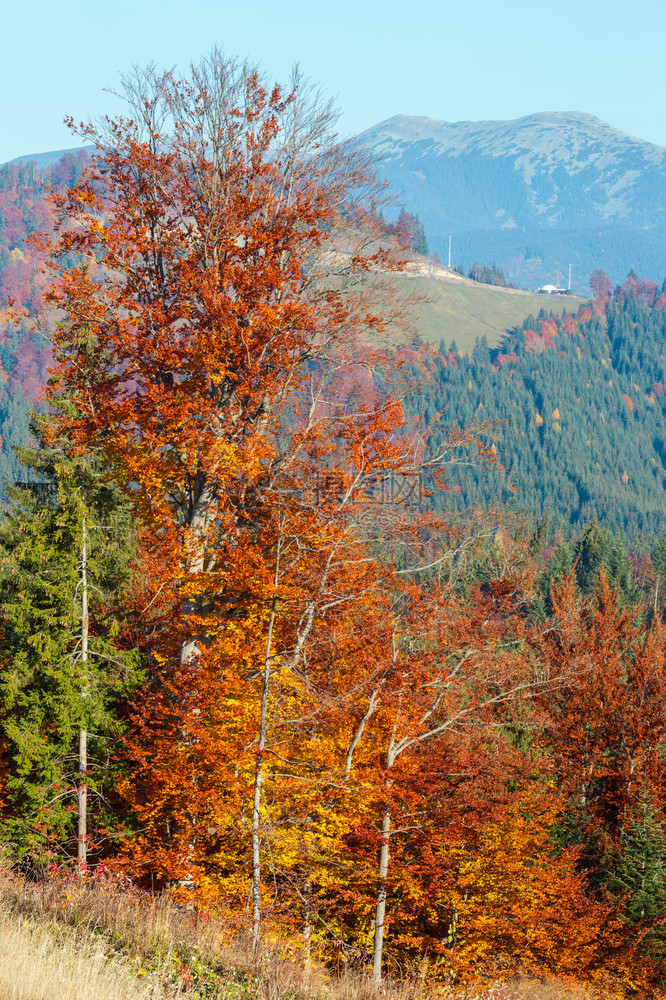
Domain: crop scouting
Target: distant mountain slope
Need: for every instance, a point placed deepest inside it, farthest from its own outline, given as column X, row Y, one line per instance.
column 603, row 456
column 24, row 354
column 43, row 160
column 534, row 195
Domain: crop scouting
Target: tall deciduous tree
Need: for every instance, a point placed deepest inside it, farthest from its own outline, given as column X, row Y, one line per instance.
column 609, row 756
column 449, row 668
column 600, row 284
column 226, row 372
column 220, row 258
column 226, row 281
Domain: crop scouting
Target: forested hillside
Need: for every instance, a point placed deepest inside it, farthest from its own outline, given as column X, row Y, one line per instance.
column 24, row 354
column 578, row 400
column 579, row 408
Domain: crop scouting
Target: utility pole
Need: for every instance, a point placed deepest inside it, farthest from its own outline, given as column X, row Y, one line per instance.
column 449, row 253
column 569, row 288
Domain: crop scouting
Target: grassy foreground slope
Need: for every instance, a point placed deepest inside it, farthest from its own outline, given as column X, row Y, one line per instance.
column 89, row 939
column 36, row 962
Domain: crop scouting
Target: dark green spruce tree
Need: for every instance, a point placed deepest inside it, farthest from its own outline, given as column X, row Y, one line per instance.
column 66, row 547
column 419, row 239
column 635, row 874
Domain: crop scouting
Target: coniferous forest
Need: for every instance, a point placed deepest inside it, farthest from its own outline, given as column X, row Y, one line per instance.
column 354, row 646
column 577, row 407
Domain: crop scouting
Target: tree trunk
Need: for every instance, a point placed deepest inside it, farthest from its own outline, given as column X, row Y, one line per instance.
column 259, row 767
column 258, row 785
column 82, row 795
column 198, row 518
column 256, row 830
column 82, row 839
column 380, row 912
column 307, row 930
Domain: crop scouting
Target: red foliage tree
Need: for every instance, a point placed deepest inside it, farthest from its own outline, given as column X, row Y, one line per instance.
column 609, row 755
column 404, row 230
column 600, row 284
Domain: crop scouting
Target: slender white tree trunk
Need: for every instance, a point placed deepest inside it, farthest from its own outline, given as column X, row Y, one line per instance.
column 259, row 765
column 256, row 812
column 380, row 911
column 82, row 838
column 307, row 930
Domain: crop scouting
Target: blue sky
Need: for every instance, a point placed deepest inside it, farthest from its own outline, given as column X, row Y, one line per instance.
column 448, row 60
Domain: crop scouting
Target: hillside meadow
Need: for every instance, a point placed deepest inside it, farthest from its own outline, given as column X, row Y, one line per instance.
column 465, row 310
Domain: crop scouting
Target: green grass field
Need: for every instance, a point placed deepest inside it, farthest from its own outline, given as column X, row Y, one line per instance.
column 464, row 311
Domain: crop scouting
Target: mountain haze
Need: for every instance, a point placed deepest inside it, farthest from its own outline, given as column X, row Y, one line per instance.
column 533, row 195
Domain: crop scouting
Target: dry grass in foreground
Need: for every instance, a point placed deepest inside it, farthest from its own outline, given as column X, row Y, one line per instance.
column 69, row 939
column 36, row 965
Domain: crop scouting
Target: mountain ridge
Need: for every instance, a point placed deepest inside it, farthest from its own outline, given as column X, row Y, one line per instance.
column 543, row 119
column 47, row 158
column 540, row 174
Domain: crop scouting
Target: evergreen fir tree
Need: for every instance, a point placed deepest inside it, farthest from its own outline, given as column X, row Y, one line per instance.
column 636, row 870
column 618, row 571
column 66, row 546
column 419, row 241
column 481, row 352
column 559, row 564
column 590, row 553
